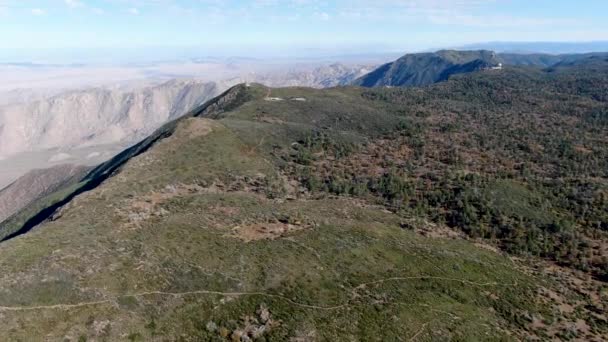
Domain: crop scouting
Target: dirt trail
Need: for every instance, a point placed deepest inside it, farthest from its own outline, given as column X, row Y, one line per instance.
column 434, row 278
column 413, row 338
column 237, row 294
column 56, row 306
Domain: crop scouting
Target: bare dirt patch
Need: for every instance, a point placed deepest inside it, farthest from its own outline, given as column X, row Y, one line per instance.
column 197, row 127
column 439, row 232
column 141, row 208
column 431, row 230
column 577, row 301
column 267, row 231
column 224, row 210
column 488, row 247
column 270, row 119
column 144, row 207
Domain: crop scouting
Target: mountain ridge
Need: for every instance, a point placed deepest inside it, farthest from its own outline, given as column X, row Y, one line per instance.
column 71, row 126
column 423, row 69
column 428, row 68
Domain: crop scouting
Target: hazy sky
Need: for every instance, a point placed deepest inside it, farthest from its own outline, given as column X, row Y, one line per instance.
column 283, row 26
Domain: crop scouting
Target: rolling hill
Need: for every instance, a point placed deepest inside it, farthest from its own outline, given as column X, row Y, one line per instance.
column 473, row 209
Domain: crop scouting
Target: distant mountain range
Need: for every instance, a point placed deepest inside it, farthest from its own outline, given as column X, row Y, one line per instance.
column 547, row 60
column 422, row 69
column 540, row 47
column 428, row 68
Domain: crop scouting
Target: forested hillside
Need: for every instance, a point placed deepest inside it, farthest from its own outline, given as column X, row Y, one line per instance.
column 519, row 157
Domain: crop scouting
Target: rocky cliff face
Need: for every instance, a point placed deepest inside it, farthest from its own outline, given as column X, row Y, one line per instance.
column 36, row 184
column 324, row 76
column 96, row 116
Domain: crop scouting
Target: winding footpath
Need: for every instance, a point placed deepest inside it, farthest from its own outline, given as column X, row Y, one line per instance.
column 238, row 294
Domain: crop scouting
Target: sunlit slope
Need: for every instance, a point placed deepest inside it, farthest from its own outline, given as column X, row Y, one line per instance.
column 235, row 221
column 176, row 240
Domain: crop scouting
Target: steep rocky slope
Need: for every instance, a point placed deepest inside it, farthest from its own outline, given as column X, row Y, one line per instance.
column 324, row 76
column 297, row 214
column 96, row 116
column 36, row 184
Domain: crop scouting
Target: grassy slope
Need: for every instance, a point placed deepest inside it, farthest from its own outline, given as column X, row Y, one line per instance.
column 150, row 253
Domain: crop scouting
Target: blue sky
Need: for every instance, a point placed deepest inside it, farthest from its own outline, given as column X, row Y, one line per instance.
column 280, row 26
